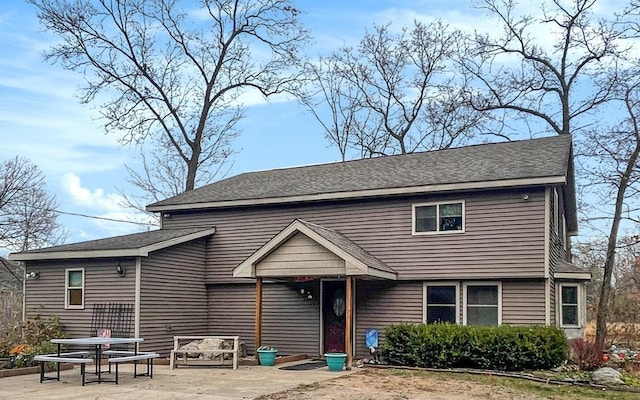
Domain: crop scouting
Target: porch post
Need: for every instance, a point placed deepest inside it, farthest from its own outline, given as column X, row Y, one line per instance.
column 349, row 322
column 258, row 327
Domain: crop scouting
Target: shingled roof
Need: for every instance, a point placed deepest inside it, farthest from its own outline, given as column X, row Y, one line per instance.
column 134, row 245
column 541, row 161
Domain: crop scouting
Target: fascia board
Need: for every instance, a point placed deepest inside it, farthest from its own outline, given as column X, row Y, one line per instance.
column 363, row 193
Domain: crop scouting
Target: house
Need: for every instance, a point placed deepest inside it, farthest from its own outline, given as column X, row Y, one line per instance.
column 307, row 259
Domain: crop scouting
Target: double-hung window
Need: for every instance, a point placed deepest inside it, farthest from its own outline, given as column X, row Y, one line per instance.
column 569, row 312
column 74, row 288
column 441, row 303
column 438, row 217
column 482, row 304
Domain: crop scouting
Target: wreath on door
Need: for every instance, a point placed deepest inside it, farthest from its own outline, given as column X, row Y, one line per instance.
column 339, row 305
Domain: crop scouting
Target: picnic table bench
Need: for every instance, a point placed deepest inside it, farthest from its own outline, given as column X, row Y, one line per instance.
column 185, row 352
column 76, row 357
column 121, row 356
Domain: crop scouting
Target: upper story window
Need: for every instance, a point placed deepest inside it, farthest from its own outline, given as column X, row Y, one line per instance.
column 438, row 217
column 74, row 288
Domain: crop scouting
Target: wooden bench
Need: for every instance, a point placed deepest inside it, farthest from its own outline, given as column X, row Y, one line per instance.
column 185, row 361
column 77, row 357
column 119, row 356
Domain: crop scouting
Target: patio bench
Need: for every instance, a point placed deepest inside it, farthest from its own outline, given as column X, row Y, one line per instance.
column 117, row 357
column 77, row 357
column 185, row 352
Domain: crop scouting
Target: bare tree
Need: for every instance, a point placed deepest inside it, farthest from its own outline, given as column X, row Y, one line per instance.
column 545, row 85
column 393, row 93
column 339, row 107
column 174, row 71
column 614, row 173
column 28, row 217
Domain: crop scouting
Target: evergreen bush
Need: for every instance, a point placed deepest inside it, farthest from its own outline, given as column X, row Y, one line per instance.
column 505, row 348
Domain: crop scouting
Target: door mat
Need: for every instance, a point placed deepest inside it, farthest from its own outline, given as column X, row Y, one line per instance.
column 305, row 366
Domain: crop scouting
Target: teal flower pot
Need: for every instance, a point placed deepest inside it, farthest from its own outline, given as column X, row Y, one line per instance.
column 267, row 357
column 335, row 361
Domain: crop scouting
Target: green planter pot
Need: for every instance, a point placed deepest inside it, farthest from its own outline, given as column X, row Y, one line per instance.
column 335, row 361
column 267, row 357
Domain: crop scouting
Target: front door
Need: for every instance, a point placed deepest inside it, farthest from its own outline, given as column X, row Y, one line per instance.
column 333, row 315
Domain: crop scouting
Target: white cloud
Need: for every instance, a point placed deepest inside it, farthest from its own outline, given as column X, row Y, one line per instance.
column 96, row 199
column 110, row 214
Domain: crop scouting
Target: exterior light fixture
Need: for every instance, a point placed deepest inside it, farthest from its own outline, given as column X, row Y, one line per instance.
column 121, row 271
column 33, row 275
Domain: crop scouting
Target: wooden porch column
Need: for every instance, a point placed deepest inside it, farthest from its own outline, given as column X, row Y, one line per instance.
column 348, row 334
column 258, row 327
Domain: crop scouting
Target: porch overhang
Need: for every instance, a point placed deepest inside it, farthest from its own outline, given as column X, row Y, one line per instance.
column 356, row 261
column 568, row 271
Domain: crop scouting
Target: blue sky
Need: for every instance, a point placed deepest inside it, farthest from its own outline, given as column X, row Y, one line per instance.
column 42, row 119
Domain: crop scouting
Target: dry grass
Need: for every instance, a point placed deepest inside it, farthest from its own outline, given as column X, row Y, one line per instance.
column 619, row 333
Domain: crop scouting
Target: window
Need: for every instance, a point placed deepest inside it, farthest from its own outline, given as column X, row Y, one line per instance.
column 441, row 303
column 483, row 304
column 74, row 286
column 438, row 217
column 569, row 305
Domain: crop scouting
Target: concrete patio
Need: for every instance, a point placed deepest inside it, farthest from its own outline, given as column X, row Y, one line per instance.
column 212, row 383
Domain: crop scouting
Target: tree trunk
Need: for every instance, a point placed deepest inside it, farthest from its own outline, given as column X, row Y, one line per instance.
column 605, row 289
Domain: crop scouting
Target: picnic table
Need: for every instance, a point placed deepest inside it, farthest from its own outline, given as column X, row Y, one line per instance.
column 99, row 346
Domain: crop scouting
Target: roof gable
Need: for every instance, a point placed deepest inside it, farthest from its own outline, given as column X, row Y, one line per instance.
column 357, row 260
column 527, row 162
column 134, row 245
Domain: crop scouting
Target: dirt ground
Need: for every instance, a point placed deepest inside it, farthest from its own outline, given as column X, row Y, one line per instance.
column 379, row 384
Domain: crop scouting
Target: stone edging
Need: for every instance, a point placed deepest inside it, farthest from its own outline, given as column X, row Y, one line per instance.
column 4, row 373
column 512, row 375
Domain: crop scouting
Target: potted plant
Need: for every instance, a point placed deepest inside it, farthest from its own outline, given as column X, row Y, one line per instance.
column 267, row 355
column 335, row 360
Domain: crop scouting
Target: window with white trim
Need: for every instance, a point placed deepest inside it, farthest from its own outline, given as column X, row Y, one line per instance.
column 438, row 217
column 441, row 303
column 569, row 305
column 482, row 303
column 74, row 288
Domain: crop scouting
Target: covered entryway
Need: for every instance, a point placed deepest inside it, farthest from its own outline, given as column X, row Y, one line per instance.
column 311, row 250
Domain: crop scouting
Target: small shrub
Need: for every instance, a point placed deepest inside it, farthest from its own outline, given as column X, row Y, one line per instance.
column 499, row 348
column 19, row 349
column 5, row 347
column 36, row 330
column 586, row 355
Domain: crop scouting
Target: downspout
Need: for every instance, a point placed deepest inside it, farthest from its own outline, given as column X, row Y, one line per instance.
column 24, row 293
column 136, row 308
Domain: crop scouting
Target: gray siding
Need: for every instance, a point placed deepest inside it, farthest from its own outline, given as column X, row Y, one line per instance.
column 232, row 312
column 379, row 304
column 557, row 251
column 290, row 322
column 523, row 302
column 504, row 236
column 46, row 296
column 300, row 256
column 173, row 296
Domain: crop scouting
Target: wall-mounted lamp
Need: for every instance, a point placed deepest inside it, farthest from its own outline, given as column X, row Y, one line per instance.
column 306, row 293
column 121, row 271
column 33, row 275
column 525, row 196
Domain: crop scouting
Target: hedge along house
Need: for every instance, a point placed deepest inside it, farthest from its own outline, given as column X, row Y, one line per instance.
column 307, row 259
